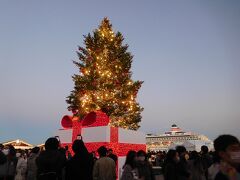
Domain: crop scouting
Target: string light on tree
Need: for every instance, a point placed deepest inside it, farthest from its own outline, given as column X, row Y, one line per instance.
column 104, row 82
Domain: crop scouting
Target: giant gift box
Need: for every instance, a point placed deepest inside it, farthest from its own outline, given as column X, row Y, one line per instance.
column 96, row 132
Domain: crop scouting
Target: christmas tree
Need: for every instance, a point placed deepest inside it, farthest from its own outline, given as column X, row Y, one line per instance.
column 104, row 82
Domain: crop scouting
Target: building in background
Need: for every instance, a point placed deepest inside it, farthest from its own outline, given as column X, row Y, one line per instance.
column 18, row 144
column 175, row 137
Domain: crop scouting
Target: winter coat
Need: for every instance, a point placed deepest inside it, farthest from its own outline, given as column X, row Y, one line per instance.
column 3, row 164
column 50, row 165
column 32, row 167
column 213, row 170
column 183, row 169
column 79, row 167
column 11, row 166
column 21, row 169
column 170, row 171
column 197, row 170
column 104, row 169
column 129, row 173
column 145, row 170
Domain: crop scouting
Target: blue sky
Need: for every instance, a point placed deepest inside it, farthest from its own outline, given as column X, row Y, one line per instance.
column 186, row 52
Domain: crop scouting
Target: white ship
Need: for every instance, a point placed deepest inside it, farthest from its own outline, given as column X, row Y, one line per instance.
column 175, row 137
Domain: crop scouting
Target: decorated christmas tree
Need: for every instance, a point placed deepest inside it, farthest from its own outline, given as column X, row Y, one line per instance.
column 104, row 81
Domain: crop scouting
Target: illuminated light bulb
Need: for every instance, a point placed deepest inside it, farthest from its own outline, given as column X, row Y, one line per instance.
column 97, row 57
column 102, row 34
column 111, row 39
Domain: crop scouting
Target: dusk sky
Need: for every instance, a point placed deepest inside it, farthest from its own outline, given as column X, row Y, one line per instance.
column 187, row 53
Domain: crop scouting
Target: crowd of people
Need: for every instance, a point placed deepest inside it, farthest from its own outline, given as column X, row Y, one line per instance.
column 221, row 164
column 57, row 163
